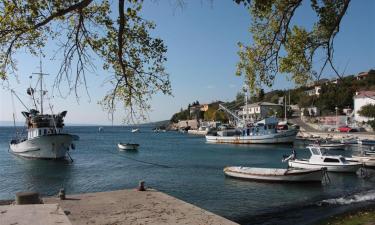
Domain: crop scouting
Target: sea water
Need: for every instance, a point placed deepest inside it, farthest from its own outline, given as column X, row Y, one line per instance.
column 188, row 168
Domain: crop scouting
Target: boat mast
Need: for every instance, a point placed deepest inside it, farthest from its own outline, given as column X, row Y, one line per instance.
column 284, row 107
column 41, row 85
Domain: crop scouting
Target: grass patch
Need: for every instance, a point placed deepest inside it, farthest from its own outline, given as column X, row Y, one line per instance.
column 361, row 217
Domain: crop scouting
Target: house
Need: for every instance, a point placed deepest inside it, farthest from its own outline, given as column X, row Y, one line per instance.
column 311, row 111
column 314, row 91
column 364, row 75
column 362, row 98
column 258, row 110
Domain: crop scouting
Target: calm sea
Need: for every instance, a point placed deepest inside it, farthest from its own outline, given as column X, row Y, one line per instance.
column 186, row 167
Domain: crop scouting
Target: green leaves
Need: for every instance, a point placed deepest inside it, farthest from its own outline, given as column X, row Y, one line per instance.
column 81, row 28
column 280, row 48
column 367, row 111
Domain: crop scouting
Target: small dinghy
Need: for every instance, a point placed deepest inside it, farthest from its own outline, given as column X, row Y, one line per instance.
column 127, row 146
column 275, row 175
column 135, row 130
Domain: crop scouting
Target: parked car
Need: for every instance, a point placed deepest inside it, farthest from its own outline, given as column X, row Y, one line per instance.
column 347, row 129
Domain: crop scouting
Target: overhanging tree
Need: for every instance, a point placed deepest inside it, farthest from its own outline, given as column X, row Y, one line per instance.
column 368, row 111
column 279, row 47
column 81, row 28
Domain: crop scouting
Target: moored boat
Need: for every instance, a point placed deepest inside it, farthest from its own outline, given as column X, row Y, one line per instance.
column 332, row 146
column 367, row 161
column 319, row 159
column 127, row 146
column 366, row 142
column 135, row 130
column 262, row 132
column 275, row 175
column 45, row 136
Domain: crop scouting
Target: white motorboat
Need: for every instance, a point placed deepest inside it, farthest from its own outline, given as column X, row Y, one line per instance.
column 275, row 175
column 127, row 146
column 45, row 137
column 319, row 159
column 135, row 130
column 262, row 132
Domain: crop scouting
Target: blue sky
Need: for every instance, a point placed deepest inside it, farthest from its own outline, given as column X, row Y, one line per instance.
column 202, row 55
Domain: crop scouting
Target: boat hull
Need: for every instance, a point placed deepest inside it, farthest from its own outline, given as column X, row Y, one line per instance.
column 333, row 146
column 285, row 137
column 127, row 146
column 305, row 164
column 54, row 146
column 279, row 175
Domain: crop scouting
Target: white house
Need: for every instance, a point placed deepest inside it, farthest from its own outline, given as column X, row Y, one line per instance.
column 314, row 91
column 362, row 98
column 258, row 110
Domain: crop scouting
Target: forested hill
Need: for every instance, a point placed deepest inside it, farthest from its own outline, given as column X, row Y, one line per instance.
column 334, row 93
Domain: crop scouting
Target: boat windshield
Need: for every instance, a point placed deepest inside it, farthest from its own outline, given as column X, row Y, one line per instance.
column 315, row 151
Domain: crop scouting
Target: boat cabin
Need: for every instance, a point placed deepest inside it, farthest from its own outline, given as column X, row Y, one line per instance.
column 319, row 155
column 262, row 127
column 43, row 124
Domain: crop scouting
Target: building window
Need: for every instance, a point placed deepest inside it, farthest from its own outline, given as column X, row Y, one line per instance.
column 39, row 132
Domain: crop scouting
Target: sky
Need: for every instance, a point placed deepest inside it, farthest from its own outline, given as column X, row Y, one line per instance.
column 202, row 46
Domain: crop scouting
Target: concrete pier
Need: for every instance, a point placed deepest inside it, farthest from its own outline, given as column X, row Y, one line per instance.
column 35, row 214
column 133, row 207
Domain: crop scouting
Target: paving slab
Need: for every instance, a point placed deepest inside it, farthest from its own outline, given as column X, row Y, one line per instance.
column 46, row 214
column 132, row 207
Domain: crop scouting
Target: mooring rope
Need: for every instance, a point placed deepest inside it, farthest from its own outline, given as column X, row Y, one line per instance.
column 141, row 161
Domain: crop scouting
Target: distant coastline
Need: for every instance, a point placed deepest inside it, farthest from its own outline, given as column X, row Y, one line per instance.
column 156, row 124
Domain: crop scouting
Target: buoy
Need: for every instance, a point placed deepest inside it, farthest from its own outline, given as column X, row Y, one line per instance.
column 141, row 186
column 24, row 198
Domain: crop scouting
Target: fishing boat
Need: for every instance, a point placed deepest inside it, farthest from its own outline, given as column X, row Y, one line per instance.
column 319, row 159
column 127, row 146
column 45, row 136
column 275, row 175
column 262, row 132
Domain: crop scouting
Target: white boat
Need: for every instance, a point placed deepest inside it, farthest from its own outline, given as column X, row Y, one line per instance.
column 332, row 146
column 275, row 175
column 45, row 136
column 100, row 129
column 127, row 146
column 135, row 130
column 349, row 141
column 319, row 159
column 262, row 132
column 367, row 161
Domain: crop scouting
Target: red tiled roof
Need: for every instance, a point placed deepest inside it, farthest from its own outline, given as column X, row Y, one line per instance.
column 363, row 94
